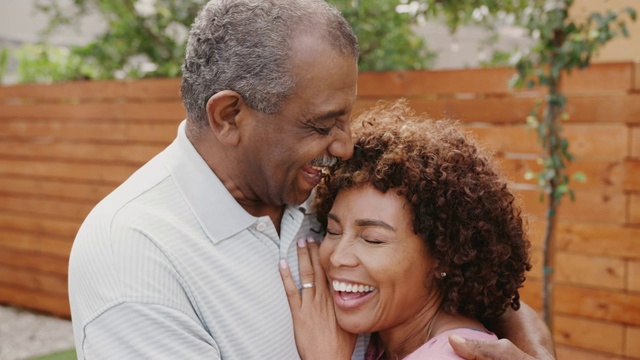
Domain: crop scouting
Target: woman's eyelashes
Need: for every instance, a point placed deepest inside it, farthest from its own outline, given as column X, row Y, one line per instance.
column 373, row 241
column 332, row 232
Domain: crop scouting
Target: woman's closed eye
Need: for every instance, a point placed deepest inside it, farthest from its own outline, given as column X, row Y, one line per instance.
column 333, row 232
column 373, row 241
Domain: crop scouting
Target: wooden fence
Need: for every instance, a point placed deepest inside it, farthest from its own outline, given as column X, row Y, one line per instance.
column 63, row 147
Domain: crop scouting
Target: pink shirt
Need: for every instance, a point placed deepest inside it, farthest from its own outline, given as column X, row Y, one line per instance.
column 438, row 347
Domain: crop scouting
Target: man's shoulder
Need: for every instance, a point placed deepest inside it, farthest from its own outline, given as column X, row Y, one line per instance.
column 146, row 180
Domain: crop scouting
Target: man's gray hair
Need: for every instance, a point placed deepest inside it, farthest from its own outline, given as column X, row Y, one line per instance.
column 245, row 46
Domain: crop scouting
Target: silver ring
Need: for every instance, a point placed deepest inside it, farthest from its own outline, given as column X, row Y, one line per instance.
column 308, row 285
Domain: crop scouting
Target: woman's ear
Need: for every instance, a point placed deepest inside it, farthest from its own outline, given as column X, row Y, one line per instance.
column 222, row 110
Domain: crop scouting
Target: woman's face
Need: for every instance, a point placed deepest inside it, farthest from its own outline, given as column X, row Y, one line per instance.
column 378, row 267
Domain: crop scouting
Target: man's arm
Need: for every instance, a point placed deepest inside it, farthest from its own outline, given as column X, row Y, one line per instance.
column 527, row 337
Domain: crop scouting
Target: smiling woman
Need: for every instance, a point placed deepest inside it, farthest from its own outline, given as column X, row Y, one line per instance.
column 423, row 237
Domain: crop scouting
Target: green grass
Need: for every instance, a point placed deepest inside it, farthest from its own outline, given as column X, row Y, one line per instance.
column 61, row 355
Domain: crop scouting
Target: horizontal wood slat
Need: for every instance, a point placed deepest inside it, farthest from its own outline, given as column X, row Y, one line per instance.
column 598, row 78
column 584, row 270
column 631, row 177
column 135, row 153
column 636, row 76
column 37, row 300
column 592, row 142
column 46, row 131
column 590, row 206
column 37, row 206
column 99, row 173
column 588, row 270
column 632, row 345
column 598, row 304
column 579, row 332
column 600, row 175
column 635, row 141
column 28, row 224
column 598, row 239
column 108, row 90
column 624, row 108
column 35, row 281
column 25, row 241
column 49, row 189
column 493, row 110
column 46, row 263
column 159, row 111
column 633, row 271
column 565, row 352
column 634, row 209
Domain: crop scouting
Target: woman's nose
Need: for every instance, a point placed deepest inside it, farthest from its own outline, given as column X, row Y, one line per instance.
column 343, row 255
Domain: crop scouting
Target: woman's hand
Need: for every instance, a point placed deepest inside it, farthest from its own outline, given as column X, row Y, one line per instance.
column 317, row 333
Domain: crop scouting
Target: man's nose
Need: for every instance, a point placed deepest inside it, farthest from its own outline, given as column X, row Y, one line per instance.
column 342, row 144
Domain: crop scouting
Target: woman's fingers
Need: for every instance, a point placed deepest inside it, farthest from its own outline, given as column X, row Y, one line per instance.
column 316, row 330
column 314, row 254
column 307, row 271
column 295, row 302
column 307, row 274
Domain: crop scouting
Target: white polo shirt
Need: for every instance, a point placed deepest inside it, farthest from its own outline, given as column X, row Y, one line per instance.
column 170, row 266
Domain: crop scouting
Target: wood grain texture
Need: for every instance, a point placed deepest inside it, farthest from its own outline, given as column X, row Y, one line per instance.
column 64, row 147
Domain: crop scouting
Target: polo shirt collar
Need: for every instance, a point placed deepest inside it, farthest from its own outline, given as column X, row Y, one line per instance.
column 217, row 211
column 215, row 208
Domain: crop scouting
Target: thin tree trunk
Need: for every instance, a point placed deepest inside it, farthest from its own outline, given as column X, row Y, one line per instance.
column 552, row 144
column 549, row 263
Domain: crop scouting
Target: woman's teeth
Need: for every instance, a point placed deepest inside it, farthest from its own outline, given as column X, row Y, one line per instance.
column 346, row 287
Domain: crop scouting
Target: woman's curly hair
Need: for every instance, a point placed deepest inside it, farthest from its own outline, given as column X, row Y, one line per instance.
column 461, row 205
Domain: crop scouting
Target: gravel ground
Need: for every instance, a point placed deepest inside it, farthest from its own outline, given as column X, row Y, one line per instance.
column 24, row 334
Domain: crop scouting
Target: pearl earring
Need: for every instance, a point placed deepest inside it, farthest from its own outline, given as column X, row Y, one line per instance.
column 443, row 274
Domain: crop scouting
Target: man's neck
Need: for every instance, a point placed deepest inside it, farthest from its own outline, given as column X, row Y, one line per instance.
column 215, row 156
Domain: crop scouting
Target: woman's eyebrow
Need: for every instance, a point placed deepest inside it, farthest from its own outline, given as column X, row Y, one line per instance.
column 369, row 222
column 333, row 217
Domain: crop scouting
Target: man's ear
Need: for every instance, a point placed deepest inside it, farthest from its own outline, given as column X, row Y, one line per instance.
column 222, row 110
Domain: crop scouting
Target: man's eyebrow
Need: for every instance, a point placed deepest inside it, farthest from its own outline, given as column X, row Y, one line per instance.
column 328, row 115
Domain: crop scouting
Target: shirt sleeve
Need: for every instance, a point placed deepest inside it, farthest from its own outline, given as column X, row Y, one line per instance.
column 145, row 331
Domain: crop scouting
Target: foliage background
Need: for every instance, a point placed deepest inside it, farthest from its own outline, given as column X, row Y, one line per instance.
column 146, row 38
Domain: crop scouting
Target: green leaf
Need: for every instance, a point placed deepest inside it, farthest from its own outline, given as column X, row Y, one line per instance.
column 579, row 177
column 623, row 28
column 529, row 175
column 532, row 121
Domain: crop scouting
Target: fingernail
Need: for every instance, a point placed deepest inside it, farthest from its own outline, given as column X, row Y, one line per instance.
column 283, row 264
column 311, row 240
column 458, row 339
column 301, row 243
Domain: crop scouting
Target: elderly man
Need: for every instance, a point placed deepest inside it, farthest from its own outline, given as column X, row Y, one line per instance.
column 181, row 260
